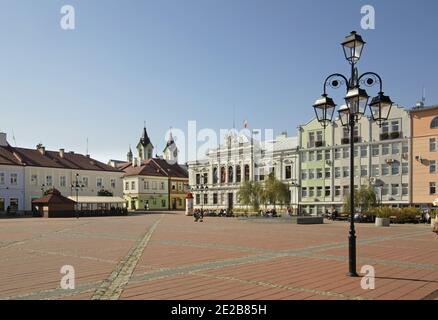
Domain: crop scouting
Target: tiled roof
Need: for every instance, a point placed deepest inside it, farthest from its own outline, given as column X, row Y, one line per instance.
column 51, row 159
column 54, row 197
column 155, row 167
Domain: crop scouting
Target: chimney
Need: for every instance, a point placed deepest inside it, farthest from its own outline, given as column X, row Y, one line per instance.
column 3, row 141
column 134, row 162
column 61, row 153
column 41, row 149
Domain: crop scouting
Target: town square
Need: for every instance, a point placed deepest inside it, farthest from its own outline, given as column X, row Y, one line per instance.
column 206, row 151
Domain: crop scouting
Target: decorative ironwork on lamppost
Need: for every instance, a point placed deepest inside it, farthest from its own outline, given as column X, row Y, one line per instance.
column 356, row 101
column 76, row 185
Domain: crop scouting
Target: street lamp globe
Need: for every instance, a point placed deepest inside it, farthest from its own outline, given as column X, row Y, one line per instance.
column 324, row 107
column 380, row 107
column 353, row 46
column 357, row 101
column 344, row 115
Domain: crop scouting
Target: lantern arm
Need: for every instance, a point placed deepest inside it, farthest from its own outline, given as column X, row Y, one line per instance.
column 370, row 79
column 335, row 81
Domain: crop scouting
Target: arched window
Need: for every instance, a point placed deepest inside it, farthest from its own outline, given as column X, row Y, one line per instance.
column 246, row 173
column 238, row 174
column 223, row 175
column 230, row 175
column 434, row 123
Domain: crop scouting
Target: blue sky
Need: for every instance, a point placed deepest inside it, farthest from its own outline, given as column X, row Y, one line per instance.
column 169, row 61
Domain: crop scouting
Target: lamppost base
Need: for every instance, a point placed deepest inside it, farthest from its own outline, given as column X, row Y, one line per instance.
column 352, row 274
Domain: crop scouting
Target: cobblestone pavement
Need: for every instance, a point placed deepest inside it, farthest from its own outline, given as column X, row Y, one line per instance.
column 168, row 256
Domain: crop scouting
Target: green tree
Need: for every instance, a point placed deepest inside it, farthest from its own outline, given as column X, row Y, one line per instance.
column 249, row 194
column 274, row 192
column 364, row 199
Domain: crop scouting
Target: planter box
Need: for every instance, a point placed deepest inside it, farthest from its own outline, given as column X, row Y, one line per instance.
column 382, row 222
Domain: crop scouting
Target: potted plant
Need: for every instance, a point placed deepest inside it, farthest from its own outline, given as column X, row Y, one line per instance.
column 383, row 216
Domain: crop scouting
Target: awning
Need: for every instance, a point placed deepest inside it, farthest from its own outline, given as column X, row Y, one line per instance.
column 98, row 200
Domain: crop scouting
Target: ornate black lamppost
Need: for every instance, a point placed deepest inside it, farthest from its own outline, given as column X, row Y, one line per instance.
column 76, row 185
column 356, row 100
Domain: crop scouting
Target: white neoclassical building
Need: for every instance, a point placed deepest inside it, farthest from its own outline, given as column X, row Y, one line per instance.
column 242, row 158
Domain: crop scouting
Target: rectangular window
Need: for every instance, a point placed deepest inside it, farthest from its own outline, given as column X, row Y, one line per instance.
column 304, row 156
column 304, row 175
column 385, row 149
column 385, row 170
column 14, row 179
column 405, row 147
column 205, row 198
column 2, row 178
column 33, row 180
column 432, row 144
column 319, row 155
column 214, row 198
column 126, row 185
column 99, row 182
column 198, row 199
column 85, row 181
column 375, row 172
column 327, row 173
column 395, row 148
column 162, row 186
column 385, row 127
column 62, row 181
column 327, row 191
column 363, row 171
column 337, row 172
column 132, row 185
column 405, row 168
column 304, row 192
column 319, row 173
column 146, row 185
column 163, row 203
column 345, row 153
column 395, row 168
column 395, row 126
column 327, row 155
column 311, row 139
column 113, row 183
column 319, row 138
column 337, row 153
column 394, row 189
column 375, row 150
column 311, row 191
column 154, row 185
column 356, row 151
column 405, row 189
column 318, row 191
column 288, row 172
column 345, row 190
column 345, row 172
column 363, row 151
column 311, row 174
column 432, row 166
column 432, row 188
column 337, row 191
column 49, row 181
column 311, row 155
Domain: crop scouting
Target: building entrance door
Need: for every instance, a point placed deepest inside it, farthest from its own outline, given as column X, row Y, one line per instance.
column 173, row 204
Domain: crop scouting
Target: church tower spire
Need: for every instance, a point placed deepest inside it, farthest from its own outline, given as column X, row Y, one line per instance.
column 171, row 150
column 144, row 147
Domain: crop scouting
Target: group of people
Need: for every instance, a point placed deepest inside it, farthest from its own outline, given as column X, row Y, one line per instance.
column 198, row 214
